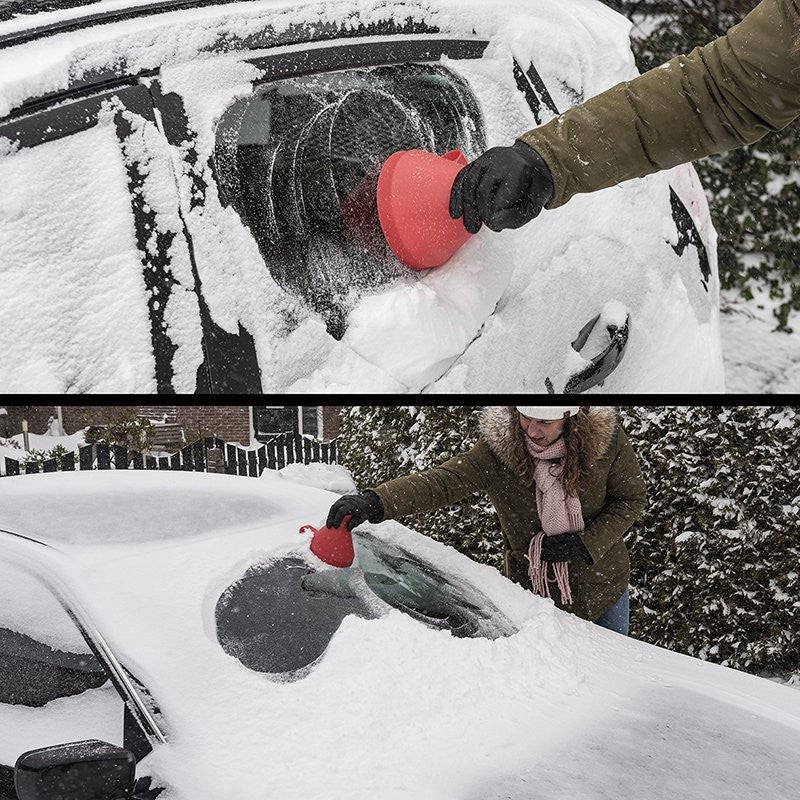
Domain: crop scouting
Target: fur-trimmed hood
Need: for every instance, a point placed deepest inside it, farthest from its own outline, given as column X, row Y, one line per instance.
column 500, row 429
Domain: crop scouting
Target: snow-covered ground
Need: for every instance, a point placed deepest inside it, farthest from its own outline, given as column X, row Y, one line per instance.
column 14, row 446
column 758, row 359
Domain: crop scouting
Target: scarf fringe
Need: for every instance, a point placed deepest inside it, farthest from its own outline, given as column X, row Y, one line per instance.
column 537, row 571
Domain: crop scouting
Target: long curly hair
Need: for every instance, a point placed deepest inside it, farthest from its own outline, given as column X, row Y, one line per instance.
column 584, row 448
column 579, row 460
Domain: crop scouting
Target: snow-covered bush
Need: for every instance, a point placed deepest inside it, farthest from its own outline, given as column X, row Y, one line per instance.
column 377, row 443
column 716, row 561
column 123, row 427
column 753, row 190
column 59, row 453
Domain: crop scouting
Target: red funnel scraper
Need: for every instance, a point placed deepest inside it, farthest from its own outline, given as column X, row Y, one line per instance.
column 414, row 206
column 334, row 546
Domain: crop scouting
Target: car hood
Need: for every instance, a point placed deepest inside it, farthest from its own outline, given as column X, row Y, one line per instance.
column 397, row 709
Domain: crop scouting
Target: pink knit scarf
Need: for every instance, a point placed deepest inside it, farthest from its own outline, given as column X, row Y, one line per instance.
column 558, row 512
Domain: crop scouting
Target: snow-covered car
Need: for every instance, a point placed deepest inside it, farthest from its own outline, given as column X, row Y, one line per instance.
column 180, row 624
column 179, row 184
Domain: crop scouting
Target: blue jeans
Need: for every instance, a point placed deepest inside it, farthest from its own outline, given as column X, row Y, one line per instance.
column 617, row 618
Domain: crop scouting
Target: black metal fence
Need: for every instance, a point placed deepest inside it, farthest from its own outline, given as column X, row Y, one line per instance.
column 205, row 455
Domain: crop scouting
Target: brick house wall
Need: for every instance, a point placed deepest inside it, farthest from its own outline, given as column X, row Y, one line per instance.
column 37, row 417
column 75, row 417
column 330, row 422
column 158, row 413
column 230, row 423
column 78, row 417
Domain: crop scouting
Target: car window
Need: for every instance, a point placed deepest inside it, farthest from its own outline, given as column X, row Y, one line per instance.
column 408, row 583
column 280, row 616
column 88, row 186
column 299, row 159
column 52, row 688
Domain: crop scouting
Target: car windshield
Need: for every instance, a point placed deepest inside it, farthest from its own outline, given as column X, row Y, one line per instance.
column 280, row 616
column 299, row 160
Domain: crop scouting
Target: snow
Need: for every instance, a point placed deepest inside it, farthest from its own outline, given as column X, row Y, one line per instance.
column 94, row 714
column 73, row 300
column 14, row 446
column 393, row 709
column 40, row 612
column 500, row 316
column 331, row 477
column 758, row 358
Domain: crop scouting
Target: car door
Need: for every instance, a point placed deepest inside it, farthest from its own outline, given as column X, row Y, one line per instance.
column 283, row 243
column 97, row 285
column 260, row 267
column 53, row 690
column 59, row 681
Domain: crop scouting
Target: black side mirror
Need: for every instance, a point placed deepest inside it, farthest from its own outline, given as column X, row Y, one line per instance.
column 602, row 364
column 75, row 771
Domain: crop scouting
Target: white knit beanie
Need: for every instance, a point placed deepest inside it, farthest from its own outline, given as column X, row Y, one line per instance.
column 548, row 412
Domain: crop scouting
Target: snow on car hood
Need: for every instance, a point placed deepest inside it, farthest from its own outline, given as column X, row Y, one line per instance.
column 500, row 316
column 395, row 709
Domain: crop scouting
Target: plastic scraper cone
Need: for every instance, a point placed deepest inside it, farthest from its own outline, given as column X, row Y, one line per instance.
column 413, row 207
column 334, row 546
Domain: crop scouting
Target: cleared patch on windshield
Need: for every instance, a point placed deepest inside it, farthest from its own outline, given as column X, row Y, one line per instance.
column 298, row 160
column 271, row 622
column 280, row 617
column 407, row 583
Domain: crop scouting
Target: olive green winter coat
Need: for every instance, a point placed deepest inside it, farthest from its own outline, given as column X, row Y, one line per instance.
column 500, row 466
column 731, row 92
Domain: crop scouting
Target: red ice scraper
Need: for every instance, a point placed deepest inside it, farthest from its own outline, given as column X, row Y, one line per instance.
column 334, row 546
column 413, row 207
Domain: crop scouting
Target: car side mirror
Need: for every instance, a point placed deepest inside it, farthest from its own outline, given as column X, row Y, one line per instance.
column 75, row 771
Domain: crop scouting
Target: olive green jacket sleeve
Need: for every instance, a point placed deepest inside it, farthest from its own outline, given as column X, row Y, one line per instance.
column 626, row 494
column 731, row 92
column 441, row 486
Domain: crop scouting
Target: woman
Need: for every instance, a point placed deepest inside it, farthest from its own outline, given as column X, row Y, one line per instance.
column 729, row 93
column 566, row 486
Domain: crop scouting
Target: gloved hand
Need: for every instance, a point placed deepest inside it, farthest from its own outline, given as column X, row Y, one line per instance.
column 564, row 547
column 504, row 188
column 364, row 507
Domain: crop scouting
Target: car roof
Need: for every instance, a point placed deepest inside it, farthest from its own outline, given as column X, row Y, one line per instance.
column 131, row 506
column 29, row 14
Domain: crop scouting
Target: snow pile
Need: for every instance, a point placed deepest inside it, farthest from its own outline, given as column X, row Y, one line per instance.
column 331, row 477
column 758, row 358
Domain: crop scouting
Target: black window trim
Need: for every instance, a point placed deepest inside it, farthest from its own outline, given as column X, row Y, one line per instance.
column 20, row 548
column 103, row 18
column 333, row 58
column 61, row 114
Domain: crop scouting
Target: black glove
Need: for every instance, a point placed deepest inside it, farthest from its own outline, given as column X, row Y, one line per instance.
column 564, row 547
column 364, row 507
column 504, row 188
